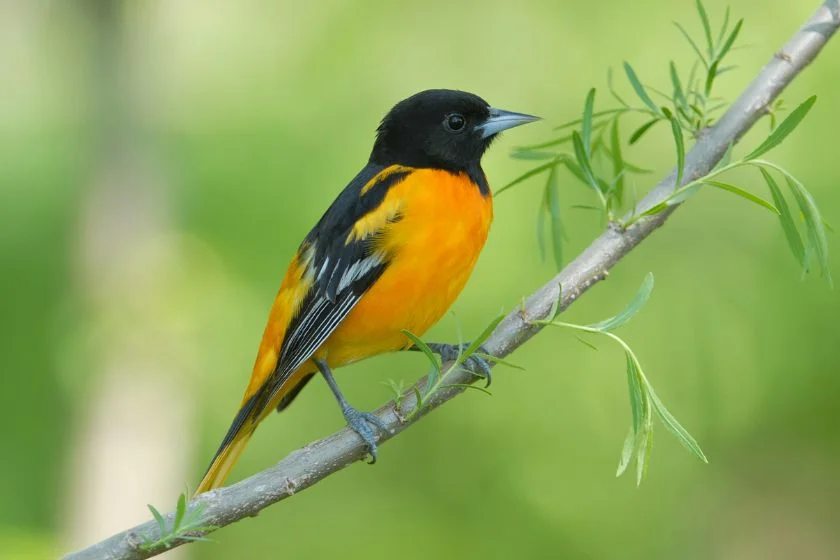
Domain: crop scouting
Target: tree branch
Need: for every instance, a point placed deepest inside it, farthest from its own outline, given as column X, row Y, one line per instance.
column 308, row 465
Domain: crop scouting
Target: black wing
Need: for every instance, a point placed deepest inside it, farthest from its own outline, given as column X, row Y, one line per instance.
column 341, row 272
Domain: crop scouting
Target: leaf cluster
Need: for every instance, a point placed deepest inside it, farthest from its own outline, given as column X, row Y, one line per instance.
column 593, row 150
column 596, row 149
column 644, row 401
column 186, row 525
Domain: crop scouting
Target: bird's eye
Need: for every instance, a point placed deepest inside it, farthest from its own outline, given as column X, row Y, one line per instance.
column 454, row 122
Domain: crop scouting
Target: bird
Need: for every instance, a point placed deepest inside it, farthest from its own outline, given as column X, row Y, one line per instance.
column 391, row 254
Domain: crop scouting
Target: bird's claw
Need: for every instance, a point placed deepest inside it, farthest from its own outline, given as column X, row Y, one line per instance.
column 365, row 425
column 474, row 363
column 479, row 366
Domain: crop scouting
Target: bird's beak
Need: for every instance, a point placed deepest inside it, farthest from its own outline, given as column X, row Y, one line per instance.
column 500, row 120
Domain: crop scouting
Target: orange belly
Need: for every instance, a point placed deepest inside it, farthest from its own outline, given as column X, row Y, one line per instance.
column 435, row 247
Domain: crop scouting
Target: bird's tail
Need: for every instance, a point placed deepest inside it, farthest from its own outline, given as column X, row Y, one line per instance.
column 252, row 411
column 232, row 446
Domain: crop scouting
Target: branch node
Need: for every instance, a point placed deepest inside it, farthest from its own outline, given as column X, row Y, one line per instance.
column 398, row 413
column 781, row 55
column 616, row 226
column 289, row 487
column 134, row 541
column 701, row 132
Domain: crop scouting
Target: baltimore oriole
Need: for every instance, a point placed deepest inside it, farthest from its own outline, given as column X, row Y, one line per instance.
column 392, row 252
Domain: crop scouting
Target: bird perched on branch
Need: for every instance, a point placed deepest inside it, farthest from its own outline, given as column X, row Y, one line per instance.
column 390, row 254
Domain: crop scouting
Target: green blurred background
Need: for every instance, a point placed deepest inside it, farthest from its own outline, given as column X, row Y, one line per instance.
column 161, row 160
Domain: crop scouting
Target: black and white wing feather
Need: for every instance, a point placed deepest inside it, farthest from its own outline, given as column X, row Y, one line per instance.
column 341, row 268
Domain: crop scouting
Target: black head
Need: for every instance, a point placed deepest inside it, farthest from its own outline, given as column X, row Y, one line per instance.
column 441, row 128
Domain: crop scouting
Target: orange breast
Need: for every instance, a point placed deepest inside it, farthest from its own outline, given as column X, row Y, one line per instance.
column 434, row 247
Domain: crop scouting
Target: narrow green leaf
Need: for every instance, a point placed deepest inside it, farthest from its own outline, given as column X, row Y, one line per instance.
column 555, row 305
column 575, row 170
column 643, row 453
column 485, row 334
column 161, row 522
column 676, row 428
column 637, row 399
column 730, row 40
column 813, row 223
column 640, row 89
column 680, row 195
column 683, row 194
column 630, row 311
column 784, row 129
column 419, row 396
column 180, row 510
column 679, row 94
column 583, row 161
column 642, row 130
column 553, row 194
column 686, row 117
column 579, row 174
column 676, row 129
column 617, row 161
column 809, row 254
column 743, row 194
column 655, row 209
column 788, row 223
column 701, row 57
column 432, row 357
column 707, row 28
column 432, row 380
column 634, row 199
column 711, row 74
column 527, row 175
column 586, row 123
column 626, row 452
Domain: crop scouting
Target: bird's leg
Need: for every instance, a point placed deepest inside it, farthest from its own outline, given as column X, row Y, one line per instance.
column 363, row 423
column 450, row 352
